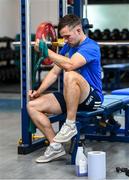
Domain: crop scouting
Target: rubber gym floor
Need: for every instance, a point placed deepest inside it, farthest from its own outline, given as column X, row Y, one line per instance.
column 14, row 166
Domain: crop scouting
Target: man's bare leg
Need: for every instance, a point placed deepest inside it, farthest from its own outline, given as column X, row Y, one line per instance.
column 37, row 110
column 76, row 89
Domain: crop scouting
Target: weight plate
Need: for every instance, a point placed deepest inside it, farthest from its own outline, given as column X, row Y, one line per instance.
column 47, row 31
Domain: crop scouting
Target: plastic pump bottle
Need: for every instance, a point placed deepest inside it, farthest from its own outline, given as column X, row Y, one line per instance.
column 81, row 161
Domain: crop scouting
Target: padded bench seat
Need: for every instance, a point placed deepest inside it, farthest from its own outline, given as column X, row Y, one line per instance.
column 111, row 103
column 123, row 98
column 124, row 91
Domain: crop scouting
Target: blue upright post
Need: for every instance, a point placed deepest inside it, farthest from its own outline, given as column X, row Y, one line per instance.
column 78, row 8
column 26, row 136
column 62, row 8
column 27, row 145
column 127, row 120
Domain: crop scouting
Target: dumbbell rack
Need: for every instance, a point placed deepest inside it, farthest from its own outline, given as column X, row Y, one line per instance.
column 7, row 69
column 115, row 69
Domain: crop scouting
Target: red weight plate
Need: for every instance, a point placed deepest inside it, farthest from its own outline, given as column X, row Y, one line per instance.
column 47, row 30
column 70, row 1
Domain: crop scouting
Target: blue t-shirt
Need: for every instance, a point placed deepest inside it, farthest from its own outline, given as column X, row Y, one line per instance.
column 91, row 71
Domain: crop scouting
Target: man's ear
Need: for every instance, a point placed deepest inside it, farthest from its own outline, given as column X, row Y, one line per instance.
column 79, row 29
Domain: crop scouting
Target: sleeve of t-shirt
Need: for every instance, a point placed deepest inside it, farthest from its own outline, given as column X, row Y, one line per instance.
column 89, row 54
column 64, row 50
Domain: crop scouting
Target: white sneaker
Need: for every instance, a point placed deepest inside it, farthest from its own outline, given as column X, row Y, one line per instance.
column 51, row 154
column 66, row 133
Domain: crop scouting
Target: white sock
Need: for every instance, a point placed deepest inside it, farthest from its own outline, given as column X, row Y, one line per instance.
column 56, row 145
column 70, row 122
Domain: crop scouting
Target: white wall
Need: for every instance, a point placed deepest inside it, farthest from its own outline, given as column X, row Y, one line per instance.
column 108, row 16
column 43, row 10
column 40, row 11
column 8, row 18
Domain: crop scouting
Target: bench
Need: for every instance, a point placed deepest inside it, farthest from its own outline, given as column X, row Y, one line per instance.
column 117, row 70
column 124, row 91
column 88, row 122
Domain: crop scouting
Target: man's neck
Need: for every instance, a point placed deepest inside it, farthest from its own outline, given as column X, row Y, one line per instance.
column 84, row 36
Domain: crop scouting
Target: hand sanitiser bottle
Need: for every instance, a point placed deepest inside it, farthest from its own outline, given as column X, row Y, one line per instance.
column 81, row 161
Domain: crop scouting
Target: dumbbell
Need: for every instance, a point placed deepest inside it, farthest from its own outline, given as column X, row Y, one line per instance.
column 97, row 34
column 91, row 34
column 125, row 34
column 115, row 34
column 106, row 34
column 112, row 52
column 119, row 170
column 122, row 52
column 104, row 52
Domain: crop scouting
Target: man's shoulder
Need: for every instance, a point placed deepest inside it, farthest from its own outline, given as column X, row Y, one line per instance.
column 93, row 41
column 90, row 44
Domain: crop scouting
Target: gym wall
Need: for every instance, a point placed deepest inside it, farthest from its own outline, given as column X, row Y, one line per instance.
column 8, row 18
column 41, row 10
column 109, row 16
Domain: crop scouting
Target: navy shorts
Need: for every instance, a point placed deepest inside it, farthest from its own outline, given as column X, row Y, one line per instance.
column 91, row 103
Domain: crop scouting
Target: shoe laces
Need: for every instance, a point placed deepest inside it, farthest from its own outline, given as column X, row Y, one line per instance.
column 65, row 128
column 48, row 150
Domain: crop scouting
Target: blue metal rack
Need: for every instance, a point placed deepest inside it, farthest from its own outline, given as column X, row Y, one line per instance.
column 27, row 145
column 26, row 137
column 77, row 8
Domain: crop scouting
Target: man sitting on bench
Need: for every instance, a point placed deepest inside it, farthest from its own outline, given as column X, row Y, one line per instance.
column 82, row 85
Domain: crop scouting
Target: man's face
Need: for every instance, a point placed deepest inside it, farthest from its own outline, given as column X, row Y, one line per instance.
column 71, row 35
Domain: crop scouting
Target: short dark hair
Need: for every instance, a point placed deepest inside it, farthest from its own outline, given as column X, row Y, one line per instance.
column 70, row 20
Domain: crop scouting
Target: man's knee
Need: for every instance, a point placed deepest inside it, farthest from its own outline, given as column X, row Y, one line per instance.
column 69, row 77
column 30, row 105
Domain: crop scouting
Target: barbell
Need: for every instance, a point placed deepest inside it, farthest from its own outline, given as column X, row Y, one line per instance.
column 47, row 31
column 58, row 43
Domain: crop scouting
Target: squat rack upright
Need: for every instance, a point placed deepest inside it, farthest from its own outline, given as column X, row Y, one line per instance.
column 27, row 145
